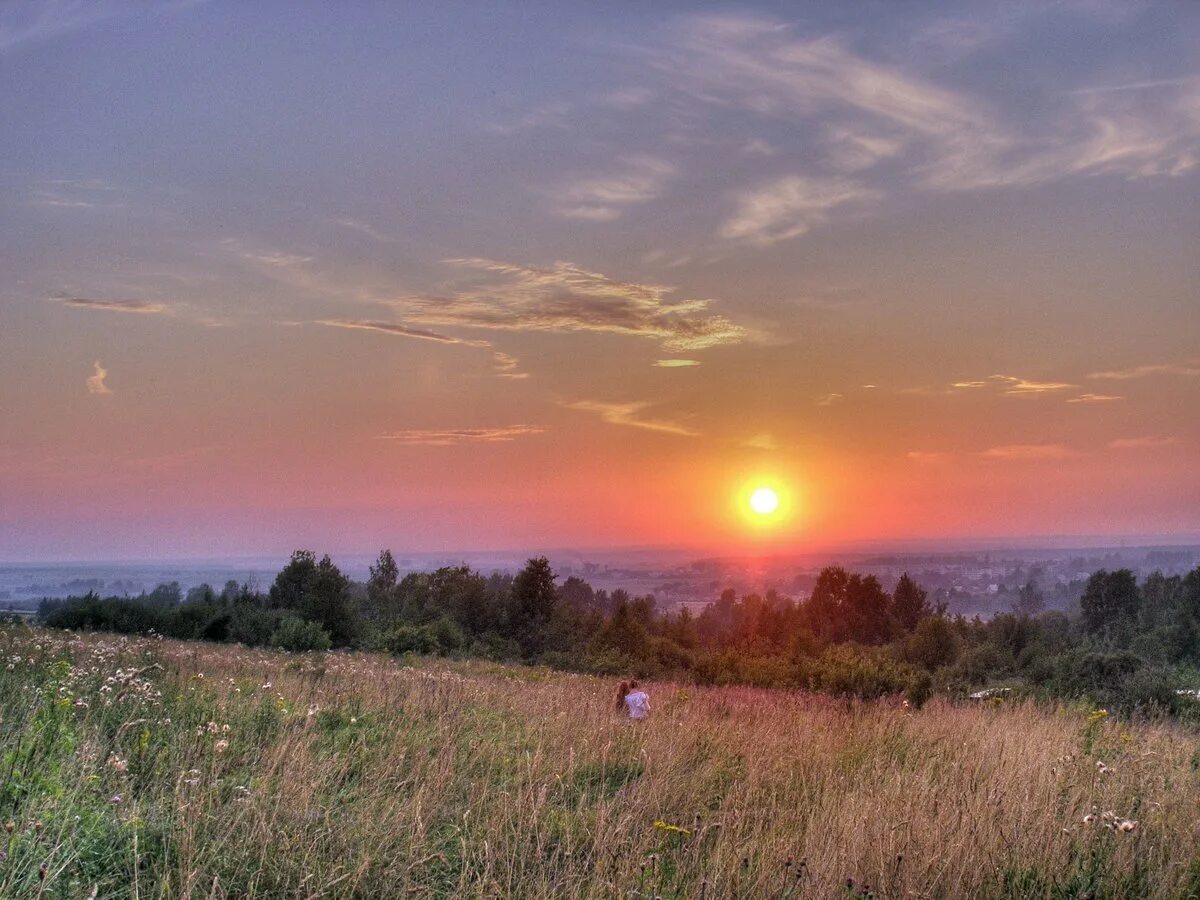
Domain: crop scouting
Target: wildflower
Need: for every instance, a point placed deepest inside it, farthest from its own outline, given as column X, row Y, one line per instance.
column 221, row 746
column 1127, row 825
column 114, row 799
column 671, row 829
column 117, row 764
column 1089, row 819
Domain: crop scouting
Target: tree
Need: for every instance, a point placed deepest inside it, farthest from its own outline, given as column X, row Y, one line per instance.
column 577, row 593
column 932, row 644
column 327, row 602
column 1030, row 600
column 201, row 593
column 910, row 603
column 319, row 592
column 381, row 586
column 825, row 610
column 165, row 595
column 288, row 590
column 531, row 605
column 1110, row 603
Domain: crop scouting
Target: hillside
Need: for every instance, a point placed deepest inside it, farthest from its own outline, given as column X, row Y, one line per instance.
column 148, row 767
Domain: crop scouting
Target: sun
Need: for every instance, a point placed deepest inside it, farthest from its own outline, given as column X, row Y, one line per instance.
column 764, row 501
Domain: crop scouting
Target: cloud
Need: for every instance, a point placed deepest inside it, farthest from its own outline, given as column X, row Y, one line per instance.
column 1191, row 368
column 853, row 150
column 928, row 456
column 1014, row 386
column 604, row 198
column 946, row 139
column 364, row 228
column 1138, row 443
column 568, row 298
column 506, row 365
column 627, row 414
column 455, row 436
column 762, row 441
column 397, row 330
column 788, row 208
column 675, row 363
column 1095, row 398
column 276, row 259
column 144, row 307
column 829, row 399
column 1029, row 452
column 95, row 381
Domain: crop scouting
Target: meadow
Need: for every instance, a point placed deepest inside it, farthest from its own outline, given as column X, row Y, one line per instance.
column 150, row 768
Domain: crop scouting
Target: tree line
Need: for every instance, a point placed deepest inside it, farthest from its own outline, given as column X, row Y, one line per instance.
column 1130, row 645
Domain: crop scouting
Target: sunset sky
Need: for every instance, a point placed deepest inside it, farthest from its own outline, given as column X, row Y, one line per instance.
column 449, row 275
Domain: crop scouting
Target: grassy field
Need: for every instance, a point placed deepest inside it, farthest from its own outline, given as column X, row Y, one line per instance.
column 146, row 768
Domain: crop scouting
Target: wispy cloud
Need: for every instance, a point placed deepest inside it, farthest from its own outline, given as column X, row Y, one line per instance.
column 1141, row 443
column 1014, row 386
column 568, row 298
column 628, row 414
column 392, row 328
column 788, row 208
column 928, row 456
column 141, row 307
column 603, row 198
column 1137, row 85
column 945, row 139
column 95, row 382
column 1095, row 398
column 762, row 441
column 364, row 228
column 506, row 365
column 1191, row 368
column 1029, row 452
column 453, row 436
column 676, row 363
column 35, row 21
column 830, row 399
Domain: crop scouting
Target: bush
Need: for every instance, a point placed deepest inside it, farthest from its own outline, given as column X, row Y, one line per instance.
column 300, row 635
column 441, row 636
column 252, row 625
column 847, row 670
column 932, row 645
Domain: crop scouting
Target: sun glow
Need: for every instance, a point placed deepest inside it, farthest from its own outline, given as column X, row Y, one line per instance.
column 764, row 501
column 764, row 504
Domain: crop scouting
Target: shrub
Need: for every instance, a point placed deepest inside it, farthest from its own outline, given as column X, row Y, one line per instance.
column 252, row 625
column 300, row 635
column 932, row 645
column 852, row 671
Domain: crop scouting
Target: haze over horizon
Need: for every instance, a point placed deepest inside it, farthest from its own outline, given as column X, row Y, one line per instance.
column 451, row 277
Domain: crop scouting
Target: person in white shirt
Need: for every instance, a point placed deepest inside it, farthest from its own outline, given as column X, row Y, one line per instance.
column 632, row 699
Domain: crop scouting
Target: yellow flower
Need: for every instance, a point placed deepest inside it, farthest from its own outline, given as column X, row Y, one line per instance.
column 665, row 826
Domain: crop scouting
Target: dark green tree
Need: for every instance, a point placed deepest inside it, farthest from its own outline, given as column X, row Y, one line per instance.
column 1110, row 603
column 531, row 605
column 910, row 603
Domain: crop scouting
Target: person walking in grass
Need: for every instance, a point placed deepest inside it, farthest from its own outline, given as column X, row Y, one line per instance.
column 632, row 700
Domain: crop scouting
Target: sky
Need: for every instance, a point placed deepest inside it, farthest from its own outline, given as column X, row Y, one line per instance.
column 438, row 276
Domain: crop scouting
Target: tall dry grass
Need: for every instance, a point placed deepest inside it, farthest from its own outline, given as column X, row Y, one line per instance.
column 259, row 774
